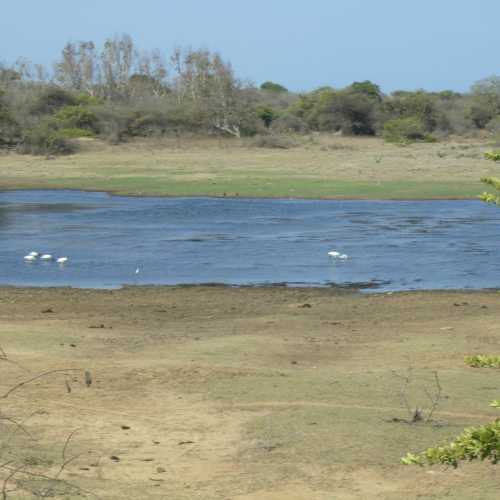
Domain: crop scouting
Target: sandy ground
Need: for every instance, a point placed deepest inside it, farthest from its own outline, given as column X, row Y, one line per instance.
column 243, row 393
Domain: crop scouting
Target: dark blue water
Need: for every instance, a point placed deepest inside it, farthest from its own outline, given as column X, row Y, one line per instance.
column 395, row 245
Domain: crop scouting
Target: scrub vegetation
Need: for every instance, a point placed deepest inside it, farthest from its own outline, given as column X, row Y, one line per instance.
column 118, row 92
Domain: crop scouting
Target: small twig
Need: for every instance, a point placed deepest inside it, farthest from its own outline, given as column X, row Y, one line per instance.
column 19, row 425
column 40, row 375
column 7, row 479
column 65, row 461
column 62, row 481
column 402, row 393
column 437, row 396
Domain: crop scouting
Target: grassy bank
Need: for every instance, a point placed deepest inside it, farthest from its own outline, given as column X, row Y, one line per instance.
column 245, row 393
column 319, row 167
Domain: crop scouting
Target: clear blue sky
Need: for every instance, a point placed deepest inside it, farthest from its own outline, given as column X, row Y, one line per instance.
column 399, row 44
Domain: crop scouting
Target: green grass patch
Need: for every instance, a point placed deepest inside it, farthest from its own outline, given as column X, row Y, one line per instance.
column 266, row 187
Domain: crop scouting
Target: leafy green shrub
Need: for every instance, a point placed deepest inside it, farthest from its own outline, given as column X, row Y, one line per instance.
column 492, row 155
column 267, row 114
column 475, row 442
column 406, row 130
column 52, row 99
column 87, row 100
column 44, row 140
column 74, row 133
column 76, row 117
column 420, row 105
column 146, row 124
column 483, row 361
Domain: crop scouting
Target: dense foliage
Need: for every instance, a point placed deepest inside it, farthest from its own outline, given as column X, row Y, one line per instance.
column 118, row 91
column 474, row 443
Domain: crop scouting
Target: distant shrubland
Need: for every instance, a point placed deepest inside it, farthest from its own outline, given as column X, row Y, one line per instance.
column 117, row 92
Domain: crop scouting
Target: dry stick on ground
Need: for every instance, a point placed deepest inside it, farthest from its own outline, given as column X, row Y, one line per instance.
column 416, row 414
column 18, row 426
column 36, row 377
column 7, row 479
column 13, row 471
column 48, row 478
column 434, row 399
column 65, row 461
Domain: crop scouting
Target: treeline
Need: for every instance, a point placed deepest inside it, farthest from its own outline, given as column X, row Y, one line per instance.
column 118, row 92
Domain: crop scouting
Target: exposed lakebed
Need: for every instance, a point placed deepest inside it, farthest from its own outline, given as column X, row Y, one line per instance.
column 392, row 245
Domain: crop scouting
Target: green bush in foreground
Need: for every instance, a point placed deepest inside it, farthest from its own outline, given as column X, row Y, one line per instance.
column 474, row 443
column 490, row 197
column 483, row 361
column 492, row 155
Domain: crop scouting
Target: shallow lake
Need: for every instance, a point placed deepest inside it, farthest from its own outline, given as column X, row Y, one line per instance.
column 392, row 245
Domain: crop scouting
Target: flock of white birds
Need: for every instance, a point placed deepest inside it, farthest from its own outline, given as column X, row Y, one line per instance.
column 46, row 257
column 338, row 255
column 33, row 256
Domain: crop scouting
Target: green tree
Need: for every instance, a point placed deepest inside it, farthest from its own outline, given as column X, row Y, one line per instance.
column 368, row 89
column 266, row 114
column 273, row 87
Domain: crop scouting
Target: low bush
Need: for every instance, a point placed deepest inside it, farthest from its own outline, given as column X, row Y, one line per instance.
column 406, row 130
column 483, row 361
column 50, row 100
column 147, row 124
column 492, row 155
column 474, row 443
column 76, row 117
column 9, row 129
column 45, row 140
column 74, row 133
column 274, row 141
column 289, row 123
